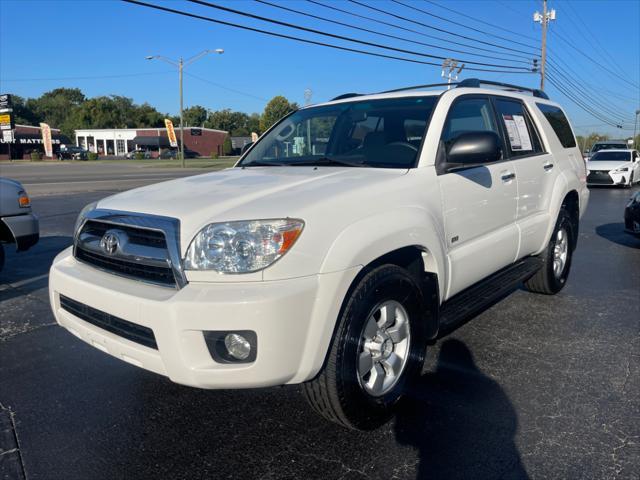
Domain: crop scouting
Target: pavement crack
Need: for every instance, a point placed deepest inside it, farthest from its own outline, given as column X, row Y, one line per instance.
column 10, row 453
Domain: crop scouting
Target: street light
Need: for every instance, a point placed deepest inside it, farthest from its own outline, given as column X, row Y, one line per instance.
column 181, row 64
column 635, row 127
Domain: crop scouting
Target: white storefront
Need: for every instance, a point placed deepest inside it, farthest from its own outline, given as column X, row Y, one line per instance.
column 111, row 141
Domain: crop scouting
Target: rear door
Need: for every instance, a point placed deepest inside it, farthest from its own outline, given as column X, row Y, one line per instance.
column 479, row 203
column 535, row 169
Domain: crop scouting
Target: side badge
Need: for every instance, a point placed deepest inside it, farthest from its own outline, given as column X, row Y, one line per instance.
column 454, row 239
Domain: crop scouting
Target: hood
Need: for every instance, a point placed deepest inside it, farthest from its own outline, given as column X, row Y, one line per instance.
column 607, row 164
column 247, row 194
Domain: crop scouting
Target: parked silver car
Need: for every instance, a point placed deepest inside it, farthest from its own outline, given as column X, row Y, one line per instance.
column 18, row 224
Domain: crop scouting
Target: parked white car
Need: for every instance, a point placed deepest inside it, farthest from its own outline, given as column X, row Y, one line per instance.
column 346, row 238
column 614, row 167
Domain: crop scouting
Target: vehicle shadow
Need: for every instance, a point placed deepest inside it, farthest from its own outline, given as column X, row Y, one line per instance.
column 28, row 269
column 614, row 232
column 461, row 422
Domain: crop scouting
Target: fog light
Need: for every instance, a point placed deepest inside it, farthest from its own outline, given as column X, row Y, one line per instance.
column 237, row 346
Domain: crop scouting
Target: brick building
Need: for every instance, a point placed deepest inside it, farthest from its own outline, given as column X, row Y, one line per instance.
column 119, row 141
column 28, row 139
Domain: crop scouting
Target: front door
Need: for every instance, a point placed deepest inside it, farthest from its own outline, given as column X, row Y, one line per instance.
column 479, row 204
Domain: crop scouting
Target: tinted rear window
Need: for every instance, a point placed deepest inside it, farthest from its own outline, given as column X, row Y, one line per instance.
column 559, row 123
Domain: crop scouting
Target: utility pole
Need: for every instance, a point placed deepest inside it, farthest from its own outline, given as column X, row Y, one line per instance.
column 307, row 101
column 181, row 64
column 544, row 18
column 635, row 127
column 451, row 65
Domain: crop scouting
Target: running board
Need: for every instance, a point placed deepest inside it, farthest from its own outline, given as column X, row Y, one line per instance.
column 477, row 298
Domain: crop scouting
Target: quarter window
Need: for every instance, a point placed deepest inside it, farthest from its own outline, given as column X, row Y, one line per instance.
column 559, row 123
column 522, row 138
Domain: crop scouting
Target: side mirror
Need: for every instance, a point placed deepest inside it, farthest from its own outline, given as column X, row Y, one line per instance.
column 473, row 149
column 246, row 147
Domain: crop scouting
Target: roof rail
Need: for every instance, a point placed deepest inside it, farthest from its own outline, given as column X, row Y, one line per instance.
column 414, row 87
column 346, row 95
column 476, row 83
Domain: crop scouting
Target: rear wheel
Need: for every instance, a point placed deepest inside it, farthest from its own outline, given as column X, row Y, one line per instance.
column 552, row 276
column 378, row 347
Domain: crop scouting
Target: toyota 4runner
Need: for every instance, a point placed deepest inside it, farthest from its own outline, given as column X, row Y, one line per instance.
column 347, row 238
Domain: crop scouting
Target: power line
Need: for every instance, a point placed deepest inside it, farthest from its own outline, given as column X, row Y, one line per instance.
column 336, row 22
column 342, row 37
column 302, row 40
column 436, row 28
column 483, row 22
column 584, row 89
column 444, row 19
column 88, row 77
column 606, row 109
column 224, row 87
column 581, row 104
column 405, row 29
column 599, row 64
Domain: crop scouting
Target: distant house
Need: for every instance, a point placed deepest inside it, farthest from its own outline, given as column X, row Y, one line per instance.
column 120, row 141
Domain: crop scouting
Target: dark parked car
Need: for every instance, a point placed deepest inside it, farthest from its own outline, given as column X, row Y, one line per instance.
column 71, row 152
column 632, row 215
column 17, row 223
column 175, row 153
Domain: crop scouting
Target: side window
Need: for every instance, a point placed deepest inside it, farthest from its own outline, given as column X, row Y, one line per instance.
column 522, row 137
column 559, row 123
column 469, row 115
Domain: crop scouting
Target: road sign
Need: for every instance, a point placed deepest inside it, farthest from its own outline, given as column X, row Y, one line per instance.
column 6, row 121
column 5, row 101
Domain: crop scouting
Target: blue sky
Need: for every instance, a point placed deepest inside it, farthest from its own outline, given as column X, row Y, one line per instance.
column 49, row 44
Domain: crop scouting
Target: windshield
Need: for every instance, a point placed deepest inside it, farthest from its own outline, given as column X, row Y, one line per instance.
column 609, row 156
column 376, row 133
column 607, row 146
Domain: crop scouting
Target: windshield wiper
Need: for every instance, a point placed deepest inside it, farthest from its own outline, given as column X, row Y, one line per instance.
column 326, row 161
column 258, row 163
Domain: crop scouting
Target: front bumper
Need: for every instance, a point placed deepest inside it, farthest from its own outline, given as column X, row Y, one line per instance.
column 608, row 177
column 24, row 228
column 293, row 321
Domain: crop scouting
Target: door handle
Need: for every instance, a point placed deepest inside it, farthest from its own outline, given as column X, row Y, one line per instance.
column 507, row 177
column 548, row 166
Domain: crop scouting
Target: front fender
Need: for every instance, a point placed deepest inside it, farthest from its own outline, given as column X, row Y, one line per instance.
column 366, row 240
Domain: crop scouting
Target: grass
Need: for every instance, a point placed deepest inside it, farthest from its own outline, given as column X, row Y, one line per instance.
column 205, row 163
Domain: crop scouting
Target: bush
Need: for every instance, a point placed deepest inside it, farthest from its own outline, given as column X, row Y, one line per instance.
column 35, row 156
column 138, row 156
column 227, row 146
column 214, row 155
column 92, row 156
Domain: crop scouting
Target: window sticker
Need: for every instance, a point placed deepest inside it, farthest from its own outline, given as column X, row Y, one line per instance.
column 518, row 133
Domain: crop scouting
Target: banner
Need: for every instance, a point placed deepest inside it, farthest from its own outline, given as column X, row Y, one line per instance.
column 171, row 133
column 46, row 139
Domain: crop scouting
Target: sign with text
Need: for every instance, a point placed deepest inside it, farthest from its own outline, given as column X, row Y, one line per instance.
column 171, row 133
column 46, row 139
column 5, row 100
column 6, row 121
column 196, row 132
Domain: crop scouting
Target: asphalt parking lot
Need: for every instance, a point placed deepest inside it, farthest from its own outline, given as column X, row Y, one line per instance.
column 535, row 387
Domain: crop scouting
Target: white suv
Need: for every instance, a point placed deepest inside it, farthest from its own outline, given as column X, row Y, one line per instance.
column 348, row 237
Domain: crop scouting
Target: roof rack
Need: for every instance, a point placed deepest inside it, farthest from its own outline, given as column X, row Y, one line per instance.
column 476, row 83
column 416, row 87
column 346, row 95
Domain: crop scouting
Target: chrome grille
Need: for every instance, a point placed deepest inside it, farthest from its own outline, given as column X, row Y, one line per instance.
column 137, row 246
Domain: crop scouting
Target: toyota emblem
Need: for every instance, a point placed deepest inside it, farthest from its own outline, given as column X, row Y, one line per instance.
column 110, row 242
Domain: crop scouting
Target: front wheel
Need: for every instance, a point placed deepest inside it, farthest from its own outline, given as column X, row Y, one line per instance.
column 378, row 347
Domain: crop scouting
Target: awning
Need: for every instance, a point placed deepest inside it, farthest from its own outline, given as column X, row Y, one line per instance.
column 149, row 141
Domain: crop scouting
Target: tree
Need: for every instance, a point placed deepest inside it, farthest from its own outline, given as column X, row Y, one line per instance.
column 55, row 107
column 195, row 116
column 227, row 146
column 23, row 115
column 277, row 108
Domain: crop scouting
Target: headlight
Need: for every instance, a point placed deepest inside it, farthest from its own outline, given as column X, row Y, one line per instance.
column 82, row 216
column 619, row 170
column 242, row 247
column 23, row 199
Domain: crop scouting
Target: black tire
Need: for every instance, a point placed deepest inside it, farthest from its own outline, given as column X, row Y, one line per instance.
column 545, row 280
column 337, row 393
